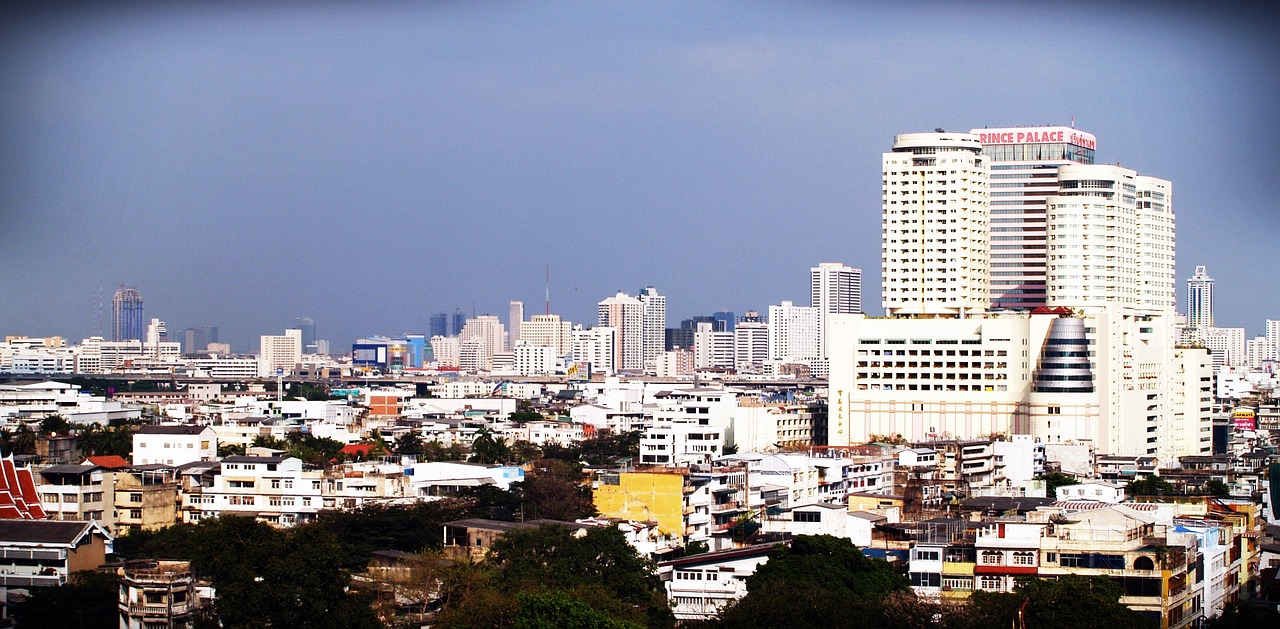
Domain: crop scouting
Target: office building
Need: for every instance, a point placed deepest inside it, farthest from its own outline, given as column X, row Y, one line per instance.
column 934, row 256
column 458, row 322
column 1024, row 165
column 196, row 340
column 1200, row 300
column 750, row 342
column 515, row 316
column 595, row 350
column 127, row 322
column 548, row 331
column 308, row 327
column 834, row 288
column 438, row 324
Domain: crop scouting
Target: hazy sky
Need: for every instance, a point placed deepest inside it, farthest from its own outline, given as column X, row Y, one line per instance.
column 368, row 165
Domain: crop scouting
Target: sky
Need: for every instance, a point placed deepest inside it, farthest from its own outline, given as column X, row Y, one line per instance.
column 369, row 164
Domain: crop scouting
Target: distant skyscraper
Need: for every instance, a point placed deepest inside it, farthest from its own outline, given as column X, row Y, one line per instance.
column 726, row 318
column 439, row 325
column 625, row 314
column 654, row 324
column 458, row 322
column 934, row 253
column 308, row 327
column 197, row 339
column 1200, row 300
column 515, row 316
column 834, row 288
column 127, row 321
column 1024, row 174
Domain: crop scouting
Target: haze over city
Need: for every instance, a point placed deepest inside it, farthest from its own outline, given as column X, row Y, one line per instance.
column 368, row 166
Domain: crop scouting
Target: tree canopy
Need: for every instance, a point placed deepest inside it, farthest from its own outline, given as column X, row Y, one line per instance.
column 1070, row 602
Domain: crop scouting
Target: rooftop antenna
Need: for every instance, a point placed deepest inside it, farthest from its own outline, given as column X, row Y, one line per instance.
column 548, row 289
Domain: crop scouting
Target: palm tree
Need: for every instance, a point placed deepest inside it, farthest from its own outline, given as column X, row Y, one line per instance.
column 486, row 448
column 92, row 439
column 24, row 441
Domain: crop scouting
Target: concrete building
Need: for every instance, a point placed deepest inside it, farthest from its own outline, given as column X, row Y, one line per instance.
column 515, row 318
column 712, row 349
column 174, row 445
column 626, row 314
column 281, row 353
column 155, row 594
column 596, row 348
column 1200, row 300
column 127, row 322
column 41, row 553
column 793, row 333
column 935, row 220
column 548, row 331
column 653, row 324
column 750, row 344
column 834, row 288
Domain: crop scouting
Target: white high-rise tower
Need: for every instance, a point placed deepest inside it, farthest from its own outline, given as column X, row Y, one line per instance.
column 935, row 249
column 834, row 288
column 1200, row 300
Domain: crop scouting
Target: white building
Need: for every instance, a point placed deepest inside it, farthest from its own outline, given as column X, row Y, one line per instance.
column 273, row 489
column 935, row 223
column 515, row 320
column 1200, row 300
column 281, row 353
column 548, row 331
column 834, row 288
column 653, row 324
column 793, row 332
column 531, row 360
column 174, row 445
column 596, row 347
column 712, row 348
column 750, row 344
column 447, row 350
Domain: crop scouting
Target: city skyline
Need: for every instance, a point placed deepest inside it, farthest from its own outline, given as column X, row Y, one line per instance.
column 244, row 168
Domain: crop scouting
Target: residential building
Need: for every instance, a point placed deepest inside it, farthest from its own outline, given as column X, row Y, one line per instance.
column 701, row 586
column 155, row 594
column 272, row 489
column 793, row 333
column 43, row 553
column 174, row 445
column 625, row 314
column 712, row 349
column 548, row 330
column 595, row 350
column 281, row 354
column 653, row 324
column 515, row 320
column 77, row 492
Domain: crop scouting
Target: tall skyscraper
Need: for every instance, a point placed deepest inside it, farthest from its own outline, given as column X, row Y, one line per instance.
column 127, row 322
column 458, row 321
column 654, row 324
column 439, row 324
column 1024, row 165
column 625, row 314
column 934, row 252
column 1110, row 240
column 515, row 316
column 834, row 288
column 308, row 327
column 1200, row 300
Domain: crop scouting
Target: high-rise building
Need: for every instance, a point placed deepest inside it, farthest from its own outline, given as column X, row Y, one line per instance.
column 196, row 340
column 750, row 341
column 653, row 324
column 515, row 316
column 308, row 327
column 834, row 288
column 594, row 349
column 711, row 347
column 625, row 314
column 280, row 354
column 438, row 324
column 458, row 322
column 127, row 322
column 1200, row 300
column 1110, row 240
column 726, row 318
column 1100, row 367
column 548, row 331
column 488, row 329
column 934, row 251
column 1024, row 165
column 793, row 332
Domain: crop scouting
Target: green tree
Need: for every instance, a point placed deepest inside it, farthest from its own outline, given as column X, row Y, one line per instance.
column 558, row 610
column 820, row 580
column 1070, row 602
column 488, row 448
column 55, row 424
column 87, row 600
column 409, row 443
column 1054, row 480
column 1217, row 488
column 1152, row 485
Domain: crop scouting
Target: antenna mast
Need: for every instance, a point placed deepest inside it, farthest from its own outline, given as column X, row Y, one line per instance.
column 548, row 289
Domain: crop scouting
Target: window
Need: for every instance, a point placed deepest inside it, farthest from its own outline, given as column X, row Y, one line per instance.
column 806, row 516
column 135, row 514
column 1024, row 558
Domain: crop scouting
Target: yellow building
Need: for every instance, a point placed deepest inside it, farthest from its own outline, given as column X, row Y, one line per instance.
column 653, row 495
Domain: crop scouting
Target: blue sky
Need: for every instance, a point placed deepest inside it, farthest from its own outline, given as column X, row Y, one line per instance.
column 369, row 165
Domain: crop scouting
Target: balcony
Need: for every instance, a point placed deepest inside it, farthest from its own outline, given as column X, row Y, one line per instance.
column 159, row 610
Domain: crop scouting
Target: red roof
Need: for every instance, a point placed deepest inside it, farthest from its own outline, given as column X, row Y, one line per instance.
column 110, row 461
column 356, row 448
